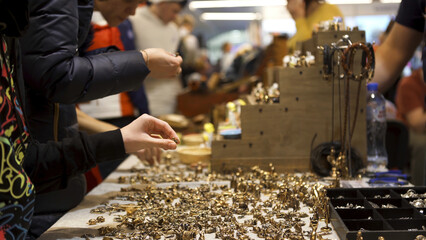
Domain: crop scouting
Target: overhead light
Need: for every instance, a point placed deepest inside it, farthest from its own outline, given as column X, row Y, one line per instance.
column 236, row 3
column 231, row 16
column 350, row 1
column 390, row 1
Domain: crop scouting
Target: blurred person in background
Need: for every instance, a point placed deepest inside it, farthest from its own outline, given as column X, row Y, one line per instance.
column 188, row 48
column 154, row 27
column 410, row 101
column 225, row 62
column 307, row 14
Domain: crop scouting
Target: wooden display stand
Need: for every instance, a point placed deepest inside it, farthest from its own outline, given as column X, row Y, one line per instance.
column 283, row 133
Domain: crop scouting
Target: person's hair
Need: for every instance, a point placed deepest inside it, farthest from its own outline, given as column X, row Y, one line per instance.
column 182, row 3
column 225, row 44
column 308, row 2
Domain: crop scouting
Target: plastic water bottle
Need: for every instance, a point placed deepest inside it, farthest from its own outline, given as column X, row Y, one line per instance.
column 377, row 157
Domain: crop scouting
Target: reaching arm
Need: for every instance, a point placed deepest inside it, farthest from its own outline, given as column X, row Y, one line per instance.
column 394, row 53
column 49, row 165
column 52, row 65
column 54, row 162
column 92, row 125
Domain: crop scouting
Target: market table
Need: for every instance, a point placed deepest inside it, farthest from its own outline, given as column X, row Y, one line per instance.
column 74, row 224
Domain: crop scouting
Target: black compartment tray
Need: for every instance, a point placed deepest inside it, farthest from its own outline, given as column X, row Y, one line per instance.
column 376, row 212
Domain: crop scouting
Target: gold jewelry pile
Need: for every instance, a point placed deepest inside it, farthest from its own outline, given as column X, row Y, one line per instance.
column 258, row 203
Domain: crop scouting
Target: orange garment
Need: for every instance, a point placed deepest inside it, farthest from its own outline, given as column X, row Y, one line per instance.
column 411, row 93
column 105, row 36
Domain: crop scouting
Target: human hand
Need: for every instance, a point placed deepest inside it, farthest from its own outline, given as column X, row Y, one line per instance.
column 150, row 155
column 138, row 134
column 162, row 63
column 297, row 8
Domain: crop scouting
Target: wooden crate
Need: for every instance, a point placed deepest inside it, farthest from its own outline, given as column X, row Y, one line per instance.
column 284, row 133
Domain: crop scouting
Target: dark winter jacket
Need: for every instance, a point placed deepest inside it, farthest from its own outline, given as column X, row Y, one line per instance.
column 56, row 78
column 49, row 163
column 54, row 72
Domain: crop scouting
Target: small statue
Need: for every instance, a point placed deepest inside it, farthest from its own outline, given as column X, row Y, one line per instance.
column 314, row 225
column 332, row 160
column 327, row 228
column 359, row 235
column 259, row 93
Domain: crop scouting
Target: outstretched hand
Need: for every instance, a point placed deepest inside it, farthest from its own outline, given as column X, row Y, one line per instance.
column 162, row 63
column 138, row 134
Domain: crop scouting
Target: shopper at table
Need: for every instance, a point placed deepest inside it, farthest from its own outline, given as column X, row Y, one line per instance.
column 118, row 109
column 53, row 161
column 57, row 77
column 394, row 53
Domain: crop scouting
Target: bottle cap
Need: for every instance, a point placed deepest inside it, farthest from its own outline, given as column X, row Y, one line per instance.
column 372, row 86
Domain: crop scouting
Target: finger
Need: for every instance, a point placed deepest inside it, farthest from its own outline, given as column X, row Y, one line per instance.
column 148, row 156
column 163, row 128
column 166, row 144
column 157, row 154
column 176, row 54
column 141, row 155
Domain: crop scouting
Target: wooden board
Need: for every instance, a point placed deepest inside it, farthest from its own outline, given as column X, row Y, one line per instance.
column 191, row 104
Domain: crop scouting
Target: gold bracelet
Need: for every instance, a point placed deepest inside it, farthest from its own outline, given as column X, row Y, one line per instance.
column 147, row 58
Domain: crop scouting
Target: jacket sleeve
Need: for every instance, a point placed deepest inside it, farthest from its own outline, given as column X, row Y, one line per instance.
column 51, row 62
column 50, row 165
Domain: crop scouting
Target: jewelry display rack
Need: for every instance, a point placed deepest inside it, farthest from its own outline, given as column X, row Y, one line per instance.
column 284, row 133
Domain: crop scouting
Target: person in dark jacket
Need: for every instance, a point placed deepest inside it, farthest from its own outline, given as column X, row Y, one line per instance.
column 57, row 77
column 53, row 161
